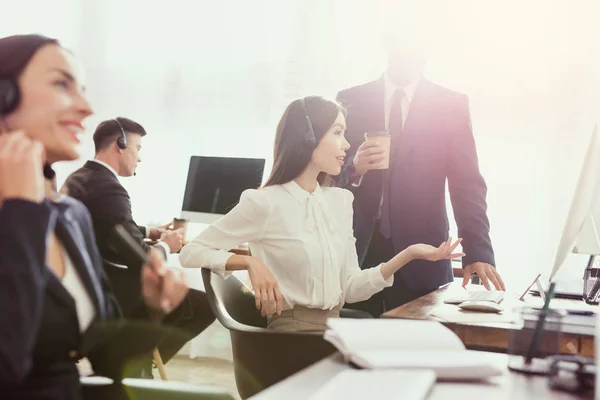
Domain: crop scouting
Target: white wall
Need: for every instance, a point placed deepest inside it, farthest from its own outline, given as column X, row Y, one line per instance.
column 213, row 78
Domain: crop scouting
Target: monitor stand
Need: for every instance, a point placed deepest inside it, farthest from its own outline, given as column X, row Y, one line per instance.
column 591, row 282
column 566, row 289
column 585, row 288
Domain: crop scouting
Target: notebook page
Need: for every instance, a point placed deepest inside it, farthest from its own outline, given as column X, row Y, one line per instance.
column 383, row 384
column 351, row 335
column 453, row 365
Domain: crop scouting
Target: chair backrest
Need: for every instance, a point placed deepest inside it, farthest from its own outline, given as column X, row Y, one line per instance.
column 231, row 301
column 262, row 357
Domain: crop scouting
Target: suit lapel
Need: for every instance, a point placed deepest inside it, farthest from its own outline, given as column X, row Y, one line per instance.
column 377, row 102
column 70, row 235
column 373, row 116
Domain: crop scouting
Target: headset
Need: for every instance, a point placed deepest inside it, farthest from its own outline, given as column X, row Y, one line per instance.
column 122, row 140
column 309, row 136
column 10, row 96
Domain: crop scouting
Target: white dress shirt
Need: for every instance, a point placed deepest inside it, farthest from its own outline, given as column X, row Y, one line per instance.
column 389, row 91
column 305, row 239
column 165, row 246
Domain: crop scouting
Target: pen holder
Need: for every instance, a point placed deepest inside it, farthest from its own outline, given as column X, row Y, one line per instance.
column 529, row 353
column 591, row 283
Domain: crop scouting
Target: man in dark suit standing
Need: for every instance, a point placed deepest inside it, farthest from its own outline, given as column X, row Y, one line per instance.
column 431, row 143
column 96, row 185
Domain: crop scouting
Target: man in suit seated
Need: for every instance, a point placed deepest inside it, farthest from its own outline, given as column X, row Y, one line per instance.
column 431, row 143
column 96, row 184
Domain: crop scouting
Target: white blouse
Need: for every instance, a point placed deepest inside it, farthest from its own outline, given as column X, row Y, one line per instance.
column 306, row 240
column 83, row 302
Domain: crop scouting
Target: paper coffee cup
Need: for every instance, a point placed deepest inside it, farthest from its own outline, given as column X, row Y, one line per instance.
column 183, row 224
column 384, row 138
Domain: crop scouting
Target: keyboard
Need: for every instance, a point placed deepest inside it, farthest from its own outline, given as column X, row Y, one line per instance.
column 494, row 296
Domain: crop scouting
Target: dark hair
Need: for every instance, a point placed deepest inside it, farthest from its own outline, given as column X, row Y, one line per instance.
column 292, row 152
column 109, row 131
column 16, row 52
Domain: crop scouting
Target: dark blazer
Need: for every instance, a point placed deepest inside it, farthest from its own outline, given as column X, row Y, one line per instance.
column 109, row 204
column 436, row 146
column 39, row 332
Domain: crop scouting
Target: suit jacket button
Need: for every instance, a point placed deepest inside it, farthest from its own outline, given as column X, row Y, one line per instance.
column 74, row 354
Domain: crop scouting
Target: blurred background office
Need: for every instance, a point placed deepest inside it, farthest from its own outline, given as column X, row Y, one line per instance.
column 213, row 77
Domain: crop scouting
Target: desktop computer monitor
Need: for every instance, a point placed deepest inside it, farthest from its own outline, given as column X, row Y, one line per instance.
column 580, row 233
column 215, row 184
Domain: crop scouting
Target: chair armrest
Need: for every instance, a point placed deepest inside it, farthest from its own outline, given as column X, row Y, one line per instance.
column 164, row 390
column 350, row 313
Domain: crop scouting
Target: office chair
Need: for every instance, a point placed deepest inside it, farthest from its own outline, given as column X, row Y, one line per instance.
column 261, row 356
column 118, row 272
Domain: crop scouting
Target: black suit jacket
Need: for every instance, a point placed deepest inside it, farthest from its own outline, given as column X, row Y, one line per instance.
column 436, row 146
column 109, row 204
column 39, row 331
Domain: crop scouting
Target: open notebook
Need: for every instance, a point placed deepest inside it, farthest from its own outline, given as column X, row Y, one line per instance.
column 409, row 344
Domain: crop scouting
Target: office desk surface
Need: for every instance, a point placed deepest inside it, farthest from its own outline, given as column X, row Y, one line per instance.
column 490, row 335
column 511, row 385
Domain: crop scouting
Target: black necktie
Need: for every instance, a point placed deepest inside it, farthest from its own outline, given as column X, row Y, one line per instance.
column 395, row 128
column 395, row 121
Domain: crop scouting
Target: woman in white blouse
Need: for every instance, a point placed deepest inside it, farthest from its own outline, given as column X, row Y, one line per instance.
column 304, row 265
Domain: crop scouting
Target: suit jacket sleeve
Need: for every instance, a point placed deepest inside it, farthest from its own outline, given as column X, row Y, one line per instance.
column 468, row 189
column 23, row 230
column 117, row 210
column 143, row 230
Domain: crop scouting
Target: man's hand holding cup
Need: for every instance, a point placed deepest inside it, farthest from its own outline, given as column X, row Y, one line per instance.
column 373, row 153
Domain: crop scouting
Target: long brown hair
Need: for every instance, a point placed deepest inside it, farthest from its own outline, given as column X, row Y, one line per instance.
column 294, row 142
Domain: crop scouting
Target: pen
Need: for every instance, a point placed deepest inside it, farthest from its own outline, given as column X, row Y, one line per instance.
column 539, row 327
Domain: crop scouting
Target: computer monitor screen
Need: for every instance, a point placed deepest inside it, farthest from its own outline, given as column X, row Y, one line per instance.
column 580, row 231
column 215, row 184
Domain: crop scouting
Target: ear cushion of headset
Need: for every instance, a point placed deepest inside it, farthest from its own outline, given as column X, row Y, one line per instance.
column 9, row 96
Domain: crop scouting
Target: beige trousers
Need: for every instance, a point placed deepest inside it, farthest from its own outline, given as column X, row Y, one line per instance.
column 302, row 319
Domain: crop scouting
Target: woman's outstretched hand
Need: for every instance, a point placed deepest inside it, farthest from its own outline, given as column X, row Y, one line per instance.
column 430, row 253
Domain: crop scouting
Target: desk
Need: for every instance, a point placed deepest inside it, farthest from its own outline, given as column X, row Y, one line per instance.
column 511, row 385
column 491, row 336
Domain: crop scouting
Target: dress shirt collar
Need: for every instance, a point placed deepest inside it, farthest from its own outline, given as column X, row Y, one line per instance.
column 391, row 87
column 108, row 167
